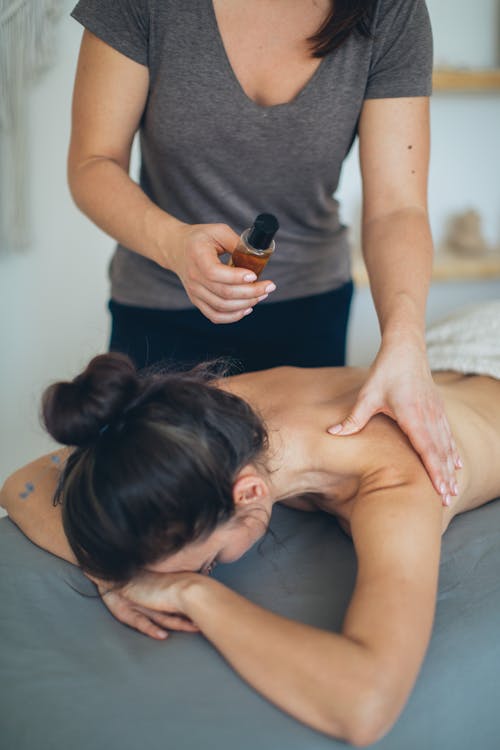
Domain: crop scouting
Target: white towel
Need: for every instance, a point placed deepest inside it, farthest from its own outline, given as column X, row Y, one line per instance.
column 467, row 341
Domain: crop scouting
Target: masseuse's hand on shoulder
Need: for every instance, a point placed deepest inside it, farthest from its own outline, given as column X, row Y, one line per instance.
column 224, row 294
column 400, row 385
column 110, row 95
column 394, row 144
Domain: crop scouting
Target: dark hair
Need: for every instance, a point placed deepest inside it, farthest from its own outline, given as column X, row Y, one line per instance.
column 155, row 461
column 345, row 18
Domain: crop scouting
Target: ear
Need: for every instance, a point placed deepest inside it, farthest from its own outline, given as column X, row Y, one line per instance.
column 249, row 487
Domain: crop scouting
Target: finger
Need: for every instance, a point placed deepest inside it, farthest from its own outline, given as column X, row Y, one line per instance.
column 169, row 621
column 364, row 409
column 239, row 291
column 432, row 454
column 144, row 624
column 212, row 269
column 434, row 465
column 223, row 278
column 218, row 317
column 449, row 447
column 457, row 461
column 175, row 622
column 225, row 305
column 226, row 238
column 451, row 478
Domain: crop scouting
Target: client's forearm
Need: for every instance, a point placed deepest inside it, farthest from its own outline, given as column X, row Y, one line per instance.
column 323, row 679
column 27, row 496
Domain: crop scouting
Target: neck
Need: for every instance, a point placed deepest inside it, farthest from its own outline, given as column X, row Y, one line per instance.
column 296, row 468
column 301, row 458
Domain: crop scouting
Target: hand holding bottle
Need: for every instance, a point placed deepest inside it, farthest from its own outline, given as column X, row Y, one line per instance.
column 224, row 294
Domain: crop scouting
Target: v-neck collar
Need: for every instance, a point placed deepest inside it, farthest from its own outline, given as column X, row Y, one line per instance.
column 234, row 81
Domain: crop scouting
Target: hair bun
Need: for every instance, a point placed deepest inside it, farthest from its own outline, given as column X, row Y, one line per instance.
column 75, row 412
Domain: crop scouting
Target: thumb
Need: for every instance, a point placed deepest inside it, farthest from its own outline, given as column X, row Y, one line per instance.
column 361, row 414
column 225, row 237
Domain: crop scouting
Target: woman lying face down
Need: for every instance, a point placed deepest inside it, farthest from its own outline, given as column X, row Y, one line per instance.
column 173, row 473
column 164, row 470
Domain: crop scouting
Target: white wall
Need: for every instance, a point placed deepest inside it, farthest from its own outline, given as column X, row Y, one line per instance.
column 466, row 34
column 465, row 173
column 53, row 297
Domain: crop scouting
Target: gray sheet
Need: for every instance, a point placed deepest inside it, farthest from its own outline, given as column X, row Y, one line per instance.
column 73, row 677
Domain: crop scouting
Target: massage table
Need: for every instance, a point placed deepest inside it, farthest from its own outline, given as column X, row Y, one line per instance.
column 72, row 677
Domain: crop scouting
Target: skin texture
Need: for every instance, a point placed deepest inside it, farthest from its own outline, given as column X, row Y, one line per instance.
column 109, row 98
column 351, row 685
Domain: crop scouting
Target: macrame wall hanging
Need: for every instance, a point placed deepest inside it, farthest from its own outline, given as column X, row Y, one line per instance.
column 26, row 50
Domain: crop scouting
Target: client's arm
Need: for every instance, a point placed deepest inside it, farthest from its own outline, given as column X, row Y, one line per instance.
column 27, row 496
column 354, row 685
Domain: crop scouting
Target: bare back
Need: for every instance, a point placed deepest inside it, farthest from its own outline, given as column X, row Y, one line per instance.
column 301, row 404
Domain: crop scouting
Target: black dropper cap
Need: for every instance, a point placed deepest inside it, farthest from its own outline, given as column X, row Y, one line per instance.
column 262, row 231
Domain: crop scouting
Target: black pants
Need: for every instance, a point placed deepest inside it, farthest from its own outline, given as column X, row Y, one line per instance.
column 305, row 332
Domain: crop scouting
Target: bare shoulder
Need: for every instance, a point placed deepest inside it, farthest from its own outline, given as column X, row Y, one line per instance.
column 29, row 491
column 378, row 460
column 378, row 455
column 297, row 386
column 28, row 498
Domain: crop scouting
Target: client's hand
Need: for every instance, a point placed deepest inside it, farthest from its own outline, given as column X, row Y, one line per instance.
column 148, row 604
column 400, row 385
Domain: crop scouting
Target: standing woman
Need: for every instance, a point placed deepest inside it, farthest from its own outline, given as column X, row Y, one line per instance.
column 249, row 106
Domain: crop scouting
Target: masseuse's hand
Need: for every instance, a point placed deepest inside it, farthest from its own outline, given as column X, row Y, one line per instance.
column 400, row 385
column 138, row 613
column 222, row 293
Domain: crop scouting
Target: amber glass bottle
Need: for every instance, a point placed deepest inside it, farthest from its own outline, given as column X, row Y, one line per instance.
column 256, row 244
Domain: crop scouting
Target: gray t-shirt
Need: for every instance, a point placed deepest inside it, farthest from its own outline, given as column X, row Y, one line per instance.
column 210, row 154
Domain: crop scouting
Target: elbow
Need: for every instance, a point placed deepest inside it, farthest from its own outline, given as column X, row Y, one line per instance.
column 373, row 715
column 73, row 174
column 76, row 172
column 365, row 736
column 76, row 176
column 370, row 717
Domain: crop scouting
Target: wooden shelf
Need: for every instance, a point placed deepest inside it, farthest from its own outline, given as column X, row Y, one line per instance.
column 446, row 268
column 458, row 79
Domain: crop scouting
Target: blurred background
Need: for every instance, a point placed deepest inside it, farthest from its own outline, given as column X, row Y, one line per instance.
column 53, row 294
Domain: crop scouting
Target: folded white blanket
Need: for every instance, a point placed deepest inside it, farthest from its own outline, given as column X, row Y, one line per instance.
column 467, row 341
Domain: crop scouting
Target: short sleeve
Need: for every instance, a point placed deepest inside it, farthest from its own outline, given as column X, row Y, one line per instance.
column 401, row 62
column 123, row 24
